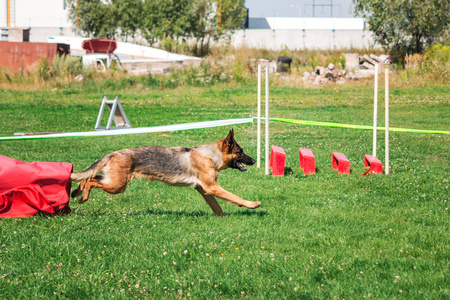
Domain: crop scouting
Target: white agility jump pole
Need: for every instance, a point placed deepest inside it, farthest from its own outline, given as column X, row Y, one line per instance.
column 267, row 121
column 258, row 130
column 375, row 112
column 386, row 117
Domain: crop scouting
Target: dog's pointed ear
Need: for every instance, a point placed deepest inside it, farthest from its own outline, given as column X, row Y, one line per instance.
column 229, row 140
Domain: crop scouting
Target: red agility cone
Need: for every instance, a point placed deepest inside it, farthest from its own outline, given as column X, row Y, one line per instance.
column 277, row 160
column 307, row 161
column 341, row 163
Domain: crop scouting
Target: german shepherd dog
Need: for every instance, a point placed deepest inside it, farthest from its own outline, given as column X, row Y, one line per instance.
column 176, row 166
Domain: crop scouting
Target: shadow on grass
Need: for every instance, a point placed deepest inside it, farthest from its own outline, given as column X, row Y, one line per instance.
column 150, row 211
column 288, row 171
column 257, row 213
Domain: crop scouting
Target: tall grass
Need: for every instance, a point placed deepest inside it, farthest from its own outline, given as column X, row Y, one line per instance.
column 433, row 66
column 47, row 73
column 226, row 65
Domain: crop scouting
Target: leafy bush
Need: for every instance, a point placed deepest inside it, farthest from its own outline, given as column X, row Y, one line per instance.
column 44, row 71
column 438, row 53
column 67, row 66
column 434, row 66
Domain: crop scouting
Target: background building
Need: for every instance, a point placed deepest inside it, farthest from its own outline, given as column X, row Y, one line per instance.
column 273, row 24
column 300, row 8
column 304, row 33
column 43, row 17
column 301, row 24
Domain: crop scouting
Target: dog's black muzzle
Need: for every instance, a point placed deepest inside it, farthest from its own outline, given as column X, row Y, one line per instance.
column 238, row 164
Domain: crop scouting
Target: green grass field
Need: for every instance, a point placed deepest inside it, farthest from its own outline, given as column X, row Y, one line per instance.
column 325, row 236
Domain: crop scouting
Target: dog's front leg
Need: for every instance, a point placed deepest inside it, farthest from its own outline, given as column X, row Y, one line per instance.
column 217, row 191
column 212, row 202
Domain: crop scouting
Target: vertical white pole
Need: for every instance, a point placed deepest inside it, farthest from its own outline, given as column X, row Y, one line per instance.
column 267, row 121
column 258, row 130
column 253, row 129
column 375, row 112
column 386, row 118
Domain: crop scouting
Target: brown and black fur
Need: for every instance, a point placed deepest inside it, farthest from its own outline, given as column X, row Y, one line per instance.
column 177, row 166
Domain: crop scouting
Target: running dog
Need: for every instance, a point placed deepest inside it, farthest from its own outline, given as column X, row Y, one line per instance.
column 198, row 167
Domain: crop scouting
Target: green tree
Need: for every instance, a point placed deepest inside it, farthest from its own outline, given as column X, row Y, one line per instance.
column 161, row 22
column 232, row 16
column 405, row 26
column 130, row 17
column 164, row 19
column 95, row 18
column 202, row 24
column 214, row 20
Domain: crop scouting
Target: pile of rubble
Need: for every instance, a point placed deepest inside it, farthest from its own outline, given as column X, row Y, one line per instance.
column 326, row 75
column 361, row 66
column 369, row 61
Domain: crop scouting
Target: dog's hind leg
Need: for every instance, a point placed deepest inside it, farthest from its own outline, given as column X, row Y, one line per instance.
column 211, row 201
column 79, row 190
column 88, row 186
column 112, row 183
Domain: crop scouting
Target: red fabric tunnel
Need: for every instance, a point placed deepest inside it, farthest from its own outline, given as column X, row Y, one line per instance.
column 30, row 188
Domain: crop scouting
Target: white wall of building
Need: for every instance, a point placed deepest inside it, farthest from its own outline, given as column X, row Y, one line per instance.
column 304, row 33
column 3, row 15
column 302, row 39
column 35, row 13
column 307, row 23
column 300, row 8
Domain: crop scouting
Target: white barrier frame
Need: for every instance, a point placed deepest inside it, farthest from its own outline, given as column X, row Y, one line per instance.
column 267, row 121
column 375, row 111
column 386, row 118
column 258, row 130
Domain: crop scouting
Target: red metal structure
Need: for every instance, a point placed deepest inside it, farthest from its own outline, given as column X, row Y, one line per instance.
column 20, row 55
column 99, row 46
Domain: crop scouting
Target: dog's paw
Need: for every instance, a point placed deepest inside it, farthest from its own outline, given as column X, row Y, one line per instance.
column 81, row 200
column 75, row 193
column 255, row 205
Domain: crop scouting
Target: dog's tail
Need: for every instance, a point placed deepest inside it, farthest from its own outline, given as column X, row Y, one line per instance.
column 92, row 170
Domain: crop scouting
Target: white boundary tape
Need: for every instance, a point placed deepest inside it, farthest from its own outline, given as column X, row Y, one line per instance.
column 164, row 128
